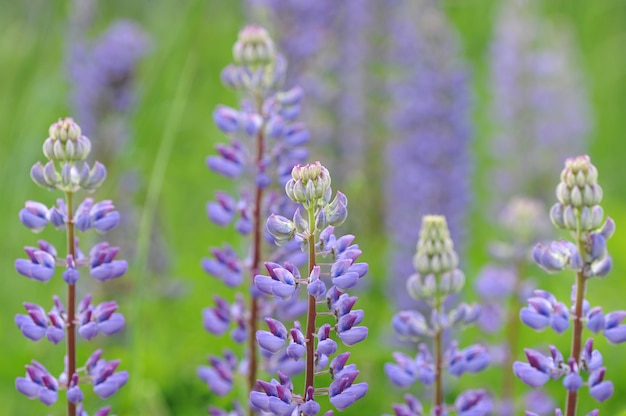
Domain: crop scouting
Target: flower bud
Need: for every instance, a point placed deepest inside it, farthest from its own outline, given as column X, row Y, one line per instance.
column 435, row 249
column 421, row 287
column 66, row 142
column 254, row 47
column 280, row 227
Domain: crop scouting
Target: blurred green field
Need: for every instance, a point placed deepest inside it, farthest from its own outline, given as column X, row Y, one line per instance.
column 179, row 86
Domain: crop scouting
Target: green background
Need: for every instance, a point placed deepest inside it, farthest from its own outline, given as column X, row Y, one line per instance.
column 173, row 132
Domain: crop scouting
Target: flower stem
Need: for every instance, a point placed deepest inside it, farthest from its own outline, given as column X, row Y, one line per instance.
column 572, row 396
column 256, row 259
column 71, row 302
column 438, row 340
column 311, row 313
column 512, row 335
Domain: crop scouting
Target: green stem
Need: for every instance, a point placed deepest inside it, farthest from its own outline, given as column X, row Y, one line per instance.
column 512, row 331
column 71, row 303
column 438, row 341
column 581, row 281
column 311, row 314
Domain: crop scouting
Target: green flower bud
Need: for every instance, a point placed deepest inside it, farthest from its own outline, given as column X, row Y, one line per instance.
column 66, row 142
column 254, row 47
column 308, row 183
column 302, row 225
column 421, row 287
column 579, row 194
column 320, row 220
column 435, row 249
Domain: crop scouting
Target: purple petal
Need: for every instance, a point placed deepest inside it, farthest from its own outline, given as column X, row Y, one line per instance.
column 112, row 325
column 269, row 341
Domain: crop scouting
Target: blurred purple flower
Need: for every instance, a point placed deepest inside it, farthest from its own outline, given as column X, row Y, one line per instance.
column 428, row 157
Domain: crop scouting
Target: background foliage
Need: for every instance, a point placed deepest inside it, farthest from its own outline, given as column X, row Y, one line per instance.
column 178, row 88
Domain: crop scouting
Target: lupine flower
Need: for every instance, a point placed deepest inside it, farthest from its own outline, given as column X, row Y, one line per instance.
column 579, row 196
column 310, row 187
column 66, row 171
column 539, row 105
column 38, row 384
column 265, row 142
column 428, row 158
column 436, row 279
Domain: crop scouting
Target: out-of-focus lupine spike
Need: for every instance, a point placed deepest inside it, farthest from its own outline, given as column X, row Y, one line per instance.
column 428, row 163
column 436, row 265
column 540, row 108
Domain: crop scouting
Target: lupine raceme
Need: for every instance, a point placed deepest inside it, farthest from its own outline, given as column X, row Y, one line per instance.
column 436, row 278
column 266, row 141
column 314, row 346
column 67, row 171
column 578, row 211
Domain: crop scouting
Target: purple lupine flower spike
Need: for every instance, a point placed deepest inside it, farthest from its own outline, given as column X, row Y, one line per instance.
column 66, row 148
column 437, row 277
column 428, row 158
column 579, row 196
column 309, row 186
column 264, row 143
column 540, row 106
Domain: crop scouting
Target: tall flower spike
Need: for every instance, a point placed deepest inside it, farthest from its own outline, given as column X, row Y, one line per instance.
column 540, row 107
column 264, row 143
column 578, row 210
column 428, row 158
column 67, row 148
column 309, row 186
column 436, row 279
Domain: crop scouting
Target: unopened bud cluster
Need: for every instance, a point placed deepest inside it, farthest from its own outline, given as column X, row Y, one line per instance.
column 308, row 183
column 435, row 261
column 579, row 197
column 258, row 68
column 310, row 186
column 437, row 277
column 66, row 142
column 254, row 47
column 66, row 149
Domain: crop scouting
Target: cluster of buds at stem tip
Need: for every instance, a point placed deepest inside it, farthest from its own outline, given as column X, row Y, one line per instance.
column 258, row 67
column 435, row 261
column 310, row 186
column 66, row 170
column 579, row 197
column 254, row 47
column 578, row 211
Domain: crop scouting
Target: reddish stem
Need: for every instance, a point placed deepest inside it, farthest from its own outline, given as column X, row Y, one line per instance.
column 312, row 313
column 71, row 304
column 254, row 268
column 572, row 396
